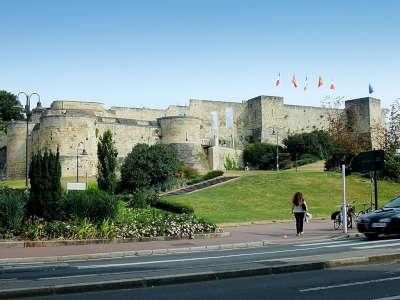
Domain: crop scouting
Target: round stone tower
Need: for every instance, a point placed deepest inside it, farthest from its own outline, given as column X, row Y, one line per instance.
column 183, row 134
column 67, row 130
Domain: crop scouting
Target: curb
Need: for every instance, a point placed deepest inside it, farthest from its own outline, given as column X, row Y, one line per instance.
column 265, row 222
column 195, row 277
column 55, row 243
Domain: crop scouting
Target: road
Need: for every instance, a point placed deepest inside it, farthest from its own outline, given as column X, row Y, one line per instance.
column 370, row 282
column 69, row 273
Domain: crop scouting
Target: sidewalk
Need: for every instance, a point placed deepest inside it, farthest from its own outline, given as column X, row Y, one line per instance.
column 240, row 236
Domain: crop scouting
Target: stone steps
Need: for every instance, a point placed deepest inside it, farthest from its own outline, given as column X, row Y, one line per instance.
column 200, row 185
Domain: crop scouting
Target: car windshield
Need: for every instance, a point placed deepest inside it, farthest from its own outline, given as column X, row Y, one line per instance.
column 393, row 203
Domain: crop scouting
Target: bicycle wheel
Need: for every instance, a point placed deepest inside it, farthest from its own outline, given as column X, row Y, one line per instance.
column 349, row 221
column 336, row 222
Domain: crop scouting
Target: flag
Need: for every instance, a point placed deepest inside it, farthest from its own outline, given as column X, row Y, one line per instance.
column 278, row 80
column 294, row 81
column 370, row 89
column 306, row 84
column 332, row 86
column 320, row 83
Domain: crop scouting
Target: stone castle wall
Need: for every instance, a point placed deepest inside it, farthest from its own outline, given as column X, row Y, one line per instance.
column 204, row 133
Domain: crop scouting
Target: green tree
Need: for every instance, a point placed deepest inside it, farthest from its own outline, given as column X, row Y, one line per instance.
column 317, row 142
column 8, row 111
column 107, row 157
column 45, row 179
column 148, row 167
column 263, row 156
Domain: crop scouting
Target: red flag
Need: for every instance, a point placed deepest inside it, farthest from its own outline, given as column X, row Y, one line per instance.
column 278, row 81
column 332, row 86
column 294, row 81
column 306, row 84
column 320, row 83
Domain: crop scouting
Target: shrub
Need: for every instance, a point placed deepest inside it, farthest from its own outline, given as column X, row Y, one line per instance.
column 392, row 168
column 12, row 209
column 45, row 193
column 93, row 204
column 307, row 159
column 173, row 207
column 139, row 199
column 107, row 157
column 230, row 163
column 189, row 172
column 147, row 167
column 212, row 174
column 151, row 222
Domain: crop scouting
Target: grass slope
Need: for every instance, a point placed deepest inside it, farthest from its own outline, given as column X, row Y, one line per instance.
column 262, row 195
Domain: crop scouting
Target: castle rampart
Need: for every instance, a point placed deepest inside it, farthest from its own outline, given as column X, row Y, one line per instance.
column 204, row 133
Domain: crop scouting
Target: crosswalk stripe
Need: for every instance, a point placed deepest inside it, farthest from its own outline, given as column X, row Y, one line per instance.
column 322, row 243
column 334, row 244
column 377, row 246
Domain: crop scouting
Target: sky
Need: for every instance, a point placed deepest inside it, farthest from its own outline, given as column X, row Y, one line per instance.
column 159, row 53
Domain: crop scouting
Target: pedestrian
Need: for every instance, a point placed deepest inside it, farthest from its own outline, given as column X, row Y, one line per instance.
column 299, row 208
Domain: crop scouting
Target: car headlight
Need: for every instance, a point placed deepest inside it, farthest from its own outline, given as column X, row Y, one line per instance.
column 385, row 220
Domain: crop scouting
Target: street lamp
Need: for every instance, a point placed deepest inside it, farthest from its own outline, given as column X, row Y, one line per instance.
column 277, row 148
column 28, row 113
column 77, row 158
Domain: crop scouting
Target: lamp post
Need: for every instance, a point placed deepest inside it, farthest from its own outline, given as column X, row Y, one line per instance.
column 28, row 113
column 77, row 158
column 277, row 148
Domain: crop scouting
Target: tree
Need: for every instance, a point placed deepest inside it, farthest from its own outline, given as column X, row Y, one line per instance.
column 148, row 167
column 107, row 162
column 262, row 156
column 45, row 180
column 347, row 141
column 8, row 111
column 317, row 142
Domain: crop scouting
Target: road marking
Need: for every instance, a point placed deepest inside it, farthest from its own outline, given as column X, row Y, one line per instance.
column 349, row 284
column 322, row 243
column 344, row 243
column 377, row 246
column 221, row 256
column 389, row 298
column 83, row 275
column 191, row 259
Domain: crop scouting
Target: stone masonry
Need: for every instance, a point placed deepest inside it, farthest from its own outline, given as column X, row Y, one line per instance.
column 204, row 133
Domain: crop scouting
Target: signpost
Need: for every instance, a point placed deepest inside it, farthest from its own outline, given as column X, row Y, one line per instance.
column 371, row 161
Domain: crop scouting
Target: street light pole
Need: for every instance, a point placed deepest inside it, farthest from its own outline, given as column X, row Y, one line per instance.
column 28, row 113
column 277, row 148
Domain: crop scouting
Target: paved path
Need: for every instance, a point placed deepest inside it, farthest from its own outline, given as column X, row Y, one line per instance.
column 274, row 233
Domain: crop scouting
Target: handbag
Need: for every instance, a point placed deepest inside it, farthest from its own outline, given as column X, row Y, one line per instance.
column 308, row 217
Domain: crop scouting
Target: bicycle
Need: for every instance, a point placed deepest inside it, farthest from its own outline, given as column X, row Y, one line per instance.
column 337, row 217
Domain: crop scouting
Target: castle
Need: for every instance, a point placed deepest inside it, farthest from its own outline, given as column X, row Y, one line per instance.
column 204, row 132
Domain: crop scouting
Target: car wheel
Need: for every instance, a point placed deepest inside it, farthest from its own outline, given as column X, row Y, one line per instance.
column 371, row 236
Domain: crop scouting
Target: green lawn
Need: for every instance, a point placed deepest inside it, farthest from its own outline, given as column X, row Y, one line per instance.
column 263, row 195
column 20, row 183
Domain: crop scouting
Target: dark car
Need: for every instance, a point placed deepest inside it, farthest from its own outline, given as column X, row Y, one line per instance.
column 385, row 220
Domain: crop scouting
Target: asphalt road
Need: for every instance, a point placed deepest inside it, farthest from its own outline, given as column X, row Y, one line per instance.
column 37, row 275
column 368, row 282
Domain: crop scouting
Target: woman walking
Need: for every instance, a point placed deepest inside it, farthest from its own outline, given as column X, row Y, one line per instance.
column 299, row 208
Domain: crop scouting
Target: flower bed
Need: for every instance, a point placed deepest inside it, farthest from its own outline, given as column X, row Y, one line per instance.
column 130, row 223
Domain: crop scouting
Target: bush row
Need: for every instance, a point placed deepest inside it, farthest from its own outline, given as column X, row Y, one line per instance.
column 209, row 175
column 173, row 207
